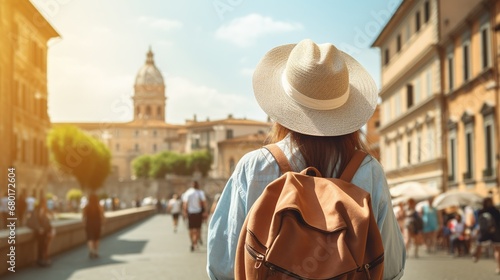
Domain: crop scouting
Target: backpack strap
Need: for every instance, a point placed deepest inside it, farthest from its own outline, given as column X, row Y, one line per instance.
column 280, row 157
column 353, row 165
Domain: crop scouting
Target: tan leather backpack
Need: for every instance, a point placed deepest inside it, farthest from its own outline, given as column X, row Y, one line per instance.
column 309, row 227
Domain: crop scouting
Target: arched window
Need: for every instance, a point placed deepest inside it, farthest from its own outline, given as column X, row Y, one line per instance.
column 148, row 111
column 158, row 112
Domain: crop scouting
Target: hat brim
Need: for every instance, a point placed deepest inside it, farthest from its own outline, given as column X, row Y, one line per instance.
column 346, row 119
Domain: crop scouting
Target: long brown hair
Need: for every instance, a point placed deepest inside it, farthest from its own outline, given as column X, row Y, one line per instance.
column 322, row 152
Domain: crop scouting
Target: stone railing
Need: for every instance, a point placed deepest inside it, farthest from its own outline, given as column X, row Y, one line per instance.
column 69, row 234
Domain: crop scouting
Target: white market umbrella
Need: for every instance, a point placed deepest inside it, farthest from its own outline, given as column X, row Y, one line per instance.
column 457, row 198
column 415, row 190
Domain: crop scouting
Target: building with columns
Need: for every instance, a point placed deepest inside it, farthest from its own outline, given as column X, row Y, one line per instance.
column 149, row 132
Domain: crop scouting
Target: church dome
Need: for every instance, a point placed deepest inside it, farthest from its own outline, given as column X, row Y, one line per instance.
column 149, row 75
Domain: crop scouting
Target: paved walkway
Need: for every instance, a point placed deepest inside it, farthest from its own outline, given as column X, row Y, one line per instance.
column 150, row 250
column 147, row 250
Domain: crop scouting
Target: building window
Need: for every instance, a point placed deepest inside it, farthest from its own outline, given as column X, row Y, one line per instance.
column 409, row 95
column 429, row 82
column 419, row 146
column 136, row 148
column 398, row 43
column 408, row 32
column 489, row 139
column 136, row 133
column 154, row 148
column 408, row 152
column 468, row 155
column 155, row 133
column 485, row 45
column 468, row 120
column 430, row 142
column 466, row 60
column 417, row 21
column 148, row 111
column 452, row 159
column 138, row 110
column 158, row 112
column 427, row 11
column 450, row 72
column 488, row 135
column 398, row 154
column 386, row 56
column 229, row 134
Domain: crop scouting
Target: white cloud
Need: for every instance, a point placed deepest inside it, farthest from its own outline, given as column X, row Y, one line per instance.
column 246, row 30
column 160, row 23
column 186, row 98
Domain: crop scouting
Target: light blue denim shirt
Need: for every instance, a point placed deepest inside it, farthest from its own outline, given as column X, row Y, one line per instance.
column 254, row 172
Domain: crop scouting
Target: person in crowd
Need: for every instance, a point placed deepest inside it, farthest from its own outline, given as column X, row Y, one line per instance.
column 40, row 223
column 488, row 236
column 457, row 236
column 93, row 219
column 30, row 203
column 318, row 98
column 413, row 227
column 194, row 207
column 400, row 215
column 432, row 222
column 174, row 207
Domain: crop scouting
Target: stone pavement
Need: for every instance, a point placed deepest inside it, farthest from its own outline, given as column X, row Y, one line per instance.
column 147, row 250
column 151, row 250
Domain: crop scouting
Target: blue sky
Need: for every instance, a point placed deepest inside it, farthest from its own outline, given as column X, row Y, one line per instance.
column 206, row 50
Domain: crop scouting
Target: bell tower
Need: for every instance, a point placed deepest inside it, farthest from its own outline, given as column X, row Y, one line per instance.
column 149, row 92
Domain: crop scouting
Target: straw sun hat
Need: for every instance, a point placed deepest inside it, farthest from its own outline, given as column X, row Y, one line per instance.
column 314, row 89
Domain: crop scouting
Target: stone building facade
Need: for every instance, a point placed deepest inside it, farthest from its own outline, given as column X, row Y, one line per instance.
column 24, row 121
column 439, row 122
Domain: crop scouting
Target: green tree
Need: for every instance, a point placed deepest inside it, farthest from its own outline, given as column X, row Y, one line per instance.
column 160, row 165
column 81, row 155
column 141, row 166
column 74, row 196
column 179, row 163
column 200, row 161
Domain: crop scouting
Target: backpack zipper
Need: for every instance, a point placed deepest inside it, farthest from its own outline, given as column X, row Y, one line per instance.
column 259, row 258
column 366, row 267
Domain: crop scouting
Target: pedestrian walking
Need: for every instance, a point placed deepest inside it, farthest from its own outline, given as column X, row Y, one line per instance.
column 413, row 227
column 174, row 207
column 489, row 231
column 93, row 219
column 194, row 207
column 432, row 222
column 318, row 98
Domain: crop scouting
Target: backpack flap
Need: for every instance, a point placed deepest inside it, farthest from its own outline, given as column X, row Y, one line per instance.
column 315, row 210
